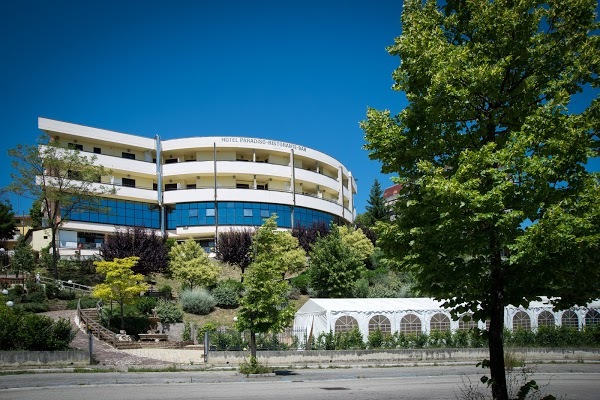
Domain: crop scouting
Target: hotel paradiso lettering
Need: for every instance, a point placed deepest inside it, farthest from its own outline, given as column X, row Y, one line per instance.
column 274, row 143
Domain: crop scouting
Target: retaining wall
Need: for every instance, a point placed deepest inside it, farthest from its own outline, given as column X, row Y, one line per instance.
column 394, row 357
column 21, row 357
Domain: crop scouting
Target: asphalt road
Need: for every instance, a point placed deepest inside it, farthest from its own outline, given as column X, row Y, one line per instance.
column 575, row 381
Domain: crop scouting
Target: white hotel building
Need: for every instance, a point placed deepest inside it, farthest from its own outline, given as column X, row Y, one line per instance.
column 199, row 186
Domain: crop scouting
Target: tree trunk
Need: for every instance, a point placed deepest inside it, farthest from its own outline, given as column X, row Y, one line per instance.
column 495, row 340
column 54, row 253
column 253, row 344
column 122, row 316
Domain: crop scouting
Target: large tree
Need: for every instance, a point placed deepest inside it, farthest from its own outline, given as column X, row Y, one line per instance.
column 64, row 180
column 7, row 221
column 189, row 263
column 146, row 244
column 121, row 283
column 308, row 235
column 335, row 266
column 497, row 207
column 264, row 306
column 376, row 208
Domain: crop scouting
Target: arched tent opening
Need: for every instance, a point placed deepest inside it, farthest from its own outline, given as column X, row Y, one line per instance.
column 439, row 322
column 345, row 323
column 380, row 323
column 546, row 318
column 570, row 319
column 410, row 324
column 521, row 320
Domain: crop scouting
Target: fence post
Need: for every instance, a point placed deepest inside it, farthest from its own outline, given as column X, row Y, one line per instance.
column 206, row 344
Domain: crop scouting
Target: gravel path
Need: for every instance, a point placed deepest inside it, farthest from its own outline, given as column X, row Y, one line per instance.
column 104, row 353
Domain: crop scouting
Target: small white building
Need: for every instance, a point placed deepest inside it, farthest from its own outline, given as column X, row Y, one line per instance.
column 423, row 315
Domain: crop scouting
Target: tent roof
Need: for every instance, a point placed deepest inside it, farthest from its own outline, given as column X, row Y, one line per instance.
column 389, row 305
column 369, row 305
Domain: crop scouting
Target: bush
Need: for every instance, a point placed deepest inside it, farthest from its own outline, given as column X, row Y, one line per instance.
column 301, row 282
column 86, row 302
column 146, row 304
column 226, row 293
column 34, row 307
column 65, row 294
column 166, row 291
column 197, row 301
column 21, row 331
column 52, row 290
column 35, row 297
column 169, row 312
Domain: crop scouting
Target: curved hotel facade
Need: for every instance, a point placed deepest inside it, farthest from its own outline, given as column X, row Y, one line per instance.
column 199, row 186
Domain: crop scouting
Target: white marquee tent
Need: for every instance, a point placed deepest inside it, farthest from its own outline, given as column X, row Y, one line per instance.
column 421, row 315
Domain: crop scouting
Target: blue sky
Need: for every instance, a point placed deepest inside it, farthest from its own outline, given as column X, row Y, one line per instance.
column 297, row 71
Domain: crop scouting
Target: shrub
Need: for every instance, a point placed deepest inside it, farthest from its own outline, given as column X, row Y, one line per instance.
column 21, row 331
column 253, row 367
column 34, row 307
column 375, row 340
column 146, row 304
column 227, row 340
column 52, row 290
column 226, row 293
column 197, row 301
column 86, row 302
column 134, row 325
column 169, row 311
column 65, row 294
column 166, row 291
column 35, row 297
column 301, row 282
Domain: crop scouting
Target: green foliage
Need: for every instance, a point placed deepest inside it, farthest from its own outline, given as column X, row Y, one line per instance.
column 186, row 335
column 253, row 367
column 358, row 241
column 227, row 340
column 190, row 264
column 132, row 324
column 166, row 291
column 197, row 301
column 7, row 221
column 376, row 208
column 227, row 293
column 86, row 302
column 121, row 285
column 146, row 304
column 22, row 331
column 491, row 158
column 264, row 306
column 301, row 281
column 24, row 259
column 169, row 311
column 64, row 180
column 334, row 266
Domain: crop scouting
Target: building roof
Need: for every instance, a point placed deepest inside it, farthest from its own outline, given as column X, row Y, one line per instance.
column 392, row 191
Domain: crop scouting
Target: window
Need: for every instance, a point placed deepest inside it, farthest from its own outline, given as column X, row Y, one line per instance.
column 439, row 322
column 170, row 161
column 210, row 212
column 546, row 318
column 242, row 186
column 592, row 318
column 410, row 323
column 170, row 186
column 265, row 214
column 570, row 319
column 466, row 323
column 128, row 182
column 74, row 146
column 190, row 186
column 129, row 156
column 380, row 323
column 345, row 323
column 247, row 212
column 263, row 187
column 154, row 186
column 97, row 150
column 521, row 321
column 193, row 212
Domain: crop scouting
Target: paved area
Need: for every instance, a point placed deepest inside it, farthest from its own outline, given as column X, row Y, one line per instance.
column 104, row 353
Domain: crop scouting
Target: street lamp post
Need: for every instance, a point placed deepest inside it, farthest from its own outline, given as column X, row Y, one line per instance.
column 70, row 282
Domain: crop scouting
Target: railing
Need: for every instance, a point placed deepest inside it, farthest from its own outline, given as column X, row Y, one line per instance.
column 66, row 284
column 94, row 326
column 232, row 340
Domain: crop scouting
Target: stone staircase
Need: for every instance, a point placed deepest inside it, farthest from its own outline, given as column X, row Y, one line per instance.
column 89, row 317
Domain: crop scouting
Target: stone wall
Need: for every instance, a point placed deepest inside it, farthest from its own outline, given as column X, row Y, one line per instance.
column 19, row 357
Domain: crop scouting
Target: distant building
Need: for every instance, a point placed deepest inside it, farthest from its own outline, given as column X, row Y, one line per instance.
column 390, row 195
column 197, row 187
